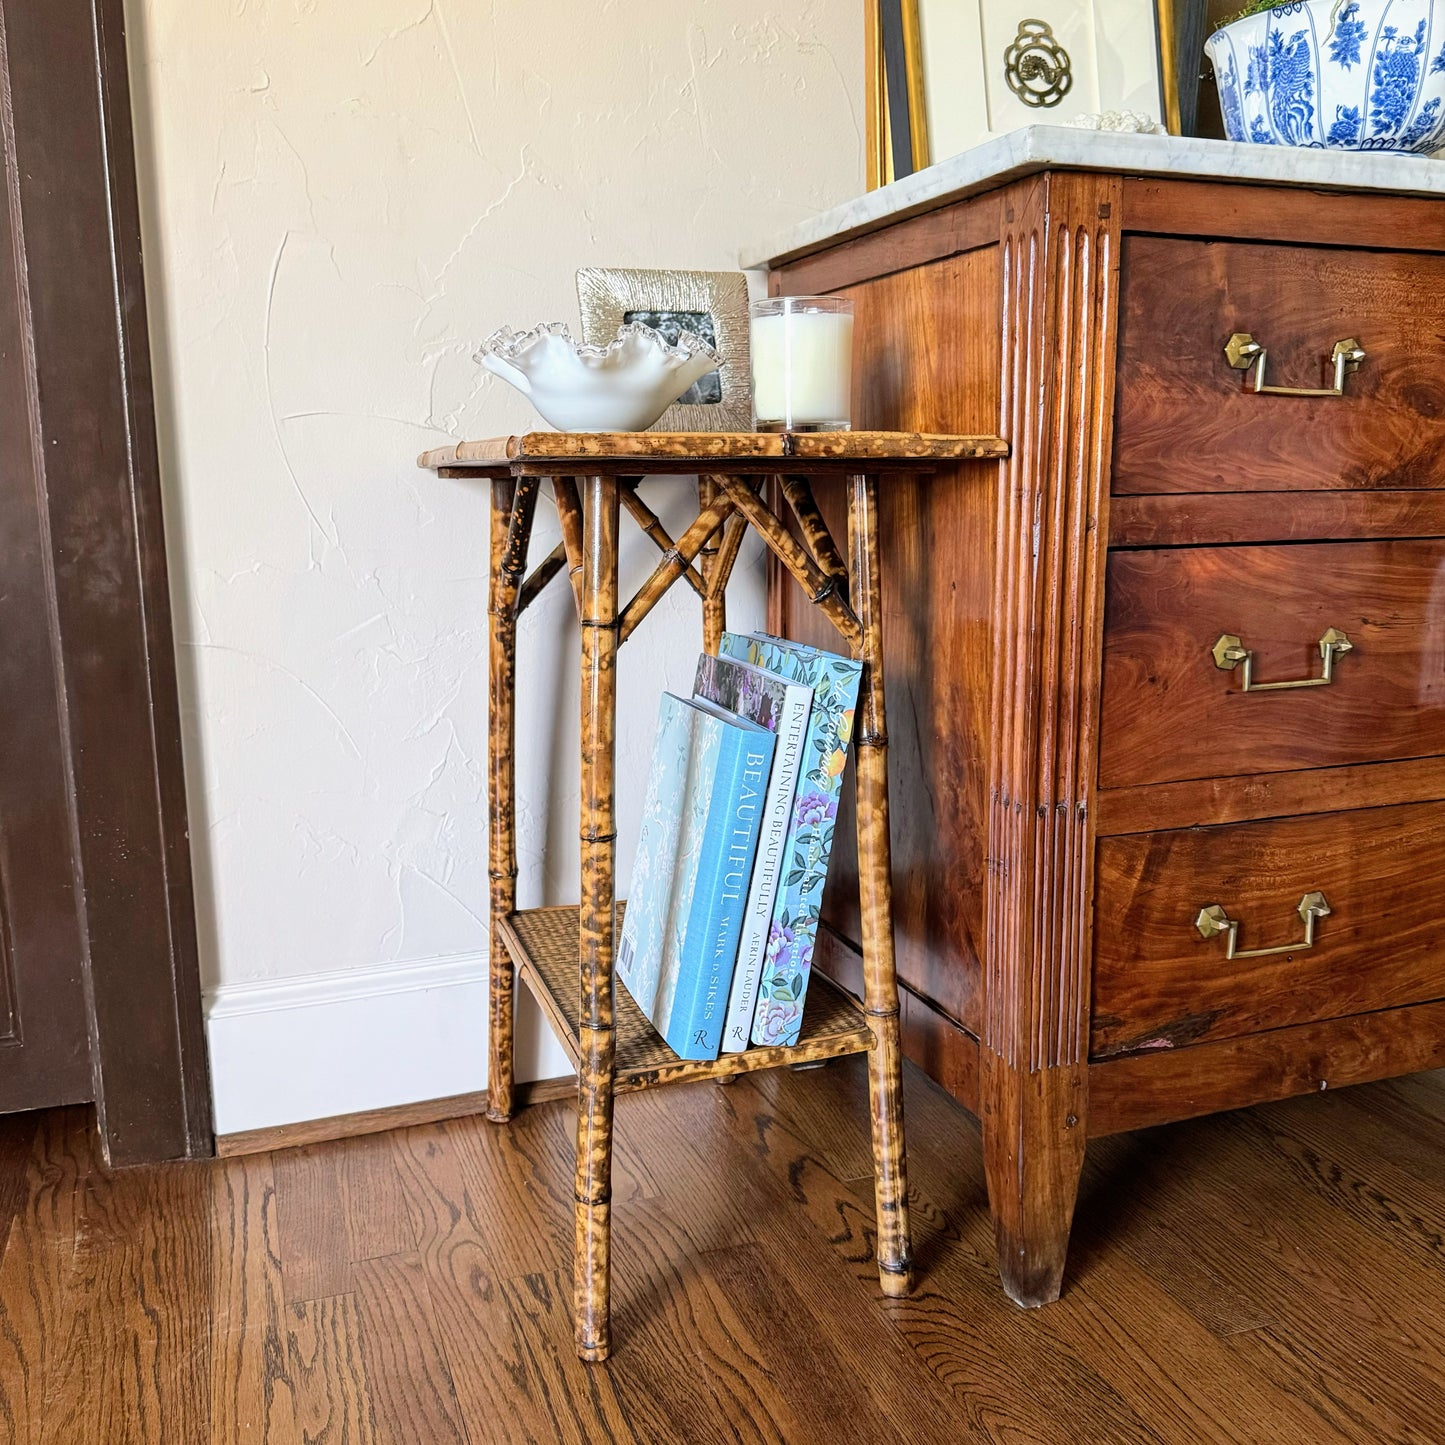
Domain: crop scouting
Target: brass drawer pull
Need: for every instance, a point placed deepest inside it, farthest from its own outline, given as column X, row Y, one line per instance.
column 1244, row 351
column 1213, row 921
column 1229, row 652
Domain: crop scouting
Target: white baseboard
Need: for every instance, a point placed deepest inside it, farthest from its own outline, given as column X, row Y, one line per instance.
column 321, row 1044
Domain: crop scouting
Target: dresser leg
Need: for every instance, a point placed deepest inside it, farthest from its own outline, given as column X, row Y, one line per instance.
column 513, row 506
column 597, row 1042
column 1033, row 1151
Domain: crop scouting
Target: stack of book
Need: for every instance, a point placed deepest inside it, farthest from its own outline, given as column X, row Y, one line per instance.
column 737, row 829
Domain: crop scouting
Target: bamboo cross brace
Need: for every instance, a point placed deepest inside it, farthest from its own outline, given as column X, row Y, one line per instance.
column 822, row 591
column 816, row 535
column 651, row 523
column 569, row 517
column 672, row 566
column 734, row 530
column 545, row 571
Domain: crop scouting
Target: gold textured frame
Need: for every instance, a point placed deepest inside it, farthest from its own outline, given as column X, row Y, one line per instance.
column 606, row 295
column 1167, row 25
column 880, row 159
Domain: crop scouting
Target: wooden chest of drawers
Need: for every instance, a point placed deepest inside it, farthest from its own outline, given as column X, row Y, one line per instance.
column 1167, row 700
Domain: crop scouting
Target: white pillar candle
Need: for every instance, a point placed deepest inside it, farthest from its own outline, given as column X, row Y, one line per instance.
column 802, row 357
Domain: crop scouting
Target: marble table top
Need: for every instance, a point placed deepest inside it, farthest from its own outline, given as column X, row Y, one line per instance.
column 1052, row 147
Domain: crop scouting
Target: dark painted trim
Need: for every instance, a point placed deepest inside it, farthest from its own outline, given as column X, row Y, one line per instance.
column 79, row 220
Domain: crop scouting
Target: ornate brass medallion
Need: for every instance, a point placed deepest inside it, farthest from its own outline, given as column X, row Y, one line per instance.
column 1037, row 67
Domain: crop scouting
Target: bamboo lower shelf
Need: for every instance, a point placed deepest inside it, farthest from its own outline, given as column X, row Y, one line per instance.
column 543, row 946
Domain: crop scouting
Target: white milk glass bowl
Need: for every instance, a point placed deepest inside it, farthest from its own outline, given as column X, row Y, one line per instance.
column 623, row 386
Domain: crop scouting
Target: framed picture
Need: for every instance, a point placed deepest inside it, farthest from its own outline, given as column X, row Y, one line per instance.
column 897, row 115
column 990, row 66
column 1184, row 25
column 711, row 304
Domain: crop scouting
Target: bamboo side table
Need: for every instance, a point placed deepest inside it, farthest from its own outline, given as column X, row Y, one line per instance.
column 566, row 955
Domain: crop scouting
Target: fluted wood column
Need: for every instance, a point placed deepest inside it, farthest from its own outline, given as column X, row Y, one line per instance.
column 1060, row 272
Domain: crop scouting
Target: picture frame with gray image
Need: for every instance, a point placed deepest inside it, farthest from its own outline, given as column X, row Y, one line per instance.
column 711, row 304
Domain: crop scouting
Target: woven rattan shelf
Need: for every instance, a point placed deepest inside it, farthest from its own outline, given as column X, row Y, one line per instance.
column 566, row 955
column 543, row 944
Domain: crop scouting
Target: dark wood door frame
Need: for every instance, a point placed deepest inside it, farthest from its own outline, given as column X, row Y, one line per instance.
column 70, row 166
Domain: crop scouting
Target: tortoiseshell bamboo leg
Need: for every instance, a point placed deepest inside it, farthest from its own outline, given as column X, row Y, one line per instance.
column 597, row 1040
column 875, row 880
column 714, row 608
column 512, row 511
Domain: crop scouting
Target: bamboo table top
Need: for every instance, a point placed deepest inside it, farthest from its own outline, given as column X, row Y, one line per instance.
column 544, row 453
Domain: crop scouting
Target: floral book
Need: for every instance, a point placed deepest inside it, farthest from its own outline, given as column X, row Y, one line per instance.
column 700, row 822
column 778, row 1018
column 781, row 706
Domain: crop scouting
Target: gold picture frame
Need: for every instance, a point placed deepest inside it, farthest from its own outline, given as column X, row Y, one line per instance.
column 1183, row 26
column 696, row 301
column 893, row 46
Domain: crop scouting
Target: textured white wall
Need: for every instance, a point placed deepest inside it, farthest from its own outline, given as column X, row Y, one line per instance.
column 340, row 201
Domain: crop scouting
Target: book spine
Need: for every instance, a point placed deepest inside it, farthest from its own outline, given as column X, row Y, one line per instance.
column 714, row 925
column 767, row 872
column 778, row 1016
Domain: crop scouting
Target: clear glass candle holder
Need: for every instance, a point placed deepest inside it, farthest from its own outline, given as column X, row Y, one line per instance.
column 802, row 356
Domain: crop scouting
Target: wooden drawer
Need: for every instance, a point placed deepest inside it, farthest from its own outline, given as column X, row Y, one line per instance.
column 1159, row 984
column 1187, row 422
column 1170, row 713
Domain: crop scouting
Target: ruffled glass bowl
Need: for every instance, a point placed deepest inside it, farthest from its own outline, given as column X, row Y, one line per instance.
column 1364, row 75
column 623, row 386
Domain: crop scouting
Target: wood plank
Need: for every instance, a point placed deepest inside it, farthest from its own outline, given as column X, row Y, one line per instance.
column 1199, row 802
column 36, row 1274
column 138, row 1329
column 378, row 1215
column 747, row 1285
column 324, row 1360
column 506, row 1382
column 311, row 1222
column 1225, row 519
column 671, row 1311
column 1141, row 1090
column 956, row 1293
column 379, row 1121
column 18, row 1133
column 1341, row 1166
column 558, row 1397
column 1122, row 1315
column 412, row 1397
column 251, row 1382
column 519, row 1184
column 1353, row 1335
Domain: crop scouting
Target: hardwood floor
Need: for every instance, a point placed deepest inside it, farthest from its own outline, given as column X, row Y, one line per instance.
column 1275, row 1275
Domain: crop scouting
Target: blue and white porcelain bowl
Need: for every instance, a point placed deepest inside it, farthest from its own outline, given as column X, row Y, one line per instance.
column 1363, row 75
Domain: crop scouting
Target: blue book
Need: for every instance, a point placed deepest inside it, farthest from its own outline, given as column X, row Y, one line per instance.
column 701, row 816
column 778, row 1017
column 781, row 706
